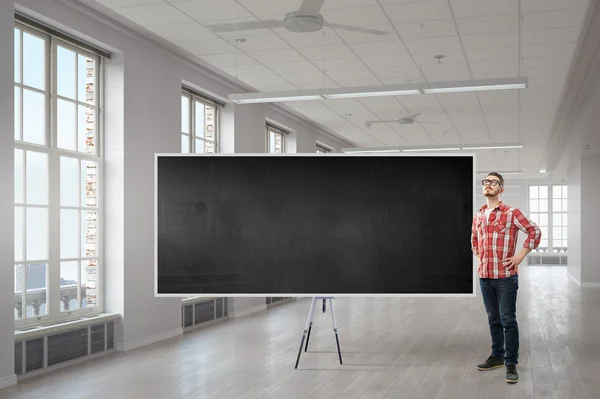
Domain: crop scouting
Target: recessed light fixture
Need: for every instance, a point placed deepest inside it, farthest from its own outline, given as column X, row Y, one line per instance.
column 542, row 170
column 492, row 147
column 430, row 149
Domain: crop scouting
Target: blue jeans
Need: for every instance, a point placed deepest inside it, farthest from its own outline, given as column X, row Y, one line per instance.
column 500, row 299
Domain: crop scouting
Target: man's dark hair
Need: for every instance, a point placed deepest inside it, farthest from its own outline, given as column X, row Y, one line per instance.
column 499, row 176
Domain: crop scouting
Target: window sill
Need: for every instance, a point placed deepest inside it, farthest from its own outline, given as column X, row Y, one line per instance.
column 26, row 333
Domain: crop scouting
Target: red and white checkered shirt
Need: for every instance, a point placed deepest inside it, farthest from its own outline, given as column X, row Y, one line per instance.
column 495, row 239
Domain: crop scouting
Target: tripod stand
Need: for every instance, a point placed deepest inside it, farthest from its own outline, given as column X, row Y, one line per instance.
column 309, row 323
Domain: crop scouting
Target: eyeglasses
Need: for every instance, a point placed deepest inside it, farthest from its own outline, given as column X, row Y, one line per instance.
column 492, row 183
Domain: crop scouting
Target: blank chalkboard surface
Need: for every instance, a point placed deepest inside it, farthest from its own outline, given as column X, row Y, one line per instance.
column 309, row 225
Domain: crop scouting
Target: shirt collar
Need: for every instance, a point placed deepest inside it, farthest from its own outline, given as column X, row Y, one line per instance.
column 500, row 206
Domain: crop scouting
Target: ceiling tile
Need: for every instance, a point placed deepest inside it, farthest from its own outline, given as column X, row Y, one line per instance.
column 324, row 37
column 439, row 28
column 418, row 11
column 293, row 67
column 404, row 79
column 447, row 77
column 413, row 134
column 261, row 42
column 429, row 61
column 378, row 48
column 157, row 14
column 306, row 77
column 555, row 35
column 207, row 46
column 285, row 55
column 433, row 44
column 381, row 61
column 548, row 50
column 358, row 82
column 239, row 33
column 354, row 74
column 488, row 40
column 387, row 135
column 479, row 25
column 248, row 71
column 557, row 73
column 181, row 32
column 546, row 62
column 340, row 64
column 359, row 37
column 405, row 72
column 357, row 16
column 483, row 8
column 228, row 59
column 269, row 83
column 547, row 5
column 493, row 54
column 328, row 84
column 262, row 7
column 553, row 19
column 326, row 52
column 208, row 10
column 494, row 74
column 336, row 4
column 502, row 65
column 127, row 3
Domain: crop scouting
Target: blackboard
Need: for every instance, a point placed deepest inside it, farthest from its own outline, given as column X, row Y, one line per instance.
column 309, row 225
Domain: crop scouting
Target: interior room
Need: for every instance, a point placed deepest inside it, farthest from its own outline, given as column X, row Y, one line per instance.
column 92, row 90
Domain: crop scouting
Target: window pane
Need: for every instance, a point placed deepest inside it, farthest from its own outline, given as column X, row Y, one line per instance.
column 564, row 205
column 34, row 117
column 200, row 123
column 185, row 114
column 89, row 184
column 69, row 233
column 565, row 243
column 185, row 143
column 19, row 176
column 69, row 181
column 544, row 192
column 89, row 279
column 36, row 173
column 209, row 132
column 36, row 277
column 557, row 205
column 18, row 290
column 564, row 219
column 34, row 61
column 89, row 238
column 557, row 233
column 65, row 124
column 19, row 234
column 209, row 147
column 557, row 219
column 544, row 243
column 199, row 146
column 556, row 243
column 86, row 130
column 534, row 206
column 543, row 205
column 564, row 191
column 36, row 227
column 65, row 72
column 271, row 142
column 543, row 219
column 533, row 192
column 535, row 218
column 556, row 191
column 17, row 55
column 86, row 82
column 68, row 285
column 17, row 115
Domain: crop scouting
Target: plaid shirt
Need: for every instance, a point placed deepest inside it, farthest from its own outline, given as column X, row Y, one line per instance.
column 495, row 240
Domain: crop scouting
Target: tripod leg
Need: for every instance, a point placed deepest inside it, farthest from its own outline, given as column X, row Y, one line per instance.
column 337, row 340
column 306, row 327
column 308, row 336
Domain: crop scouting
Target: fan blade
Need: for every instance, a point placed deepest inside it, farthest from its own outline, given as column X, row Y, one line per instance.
column 310, row 7
column 413, row 116
column 433, row 123
column 356, row 29
column 384, row 121
column 241, row 26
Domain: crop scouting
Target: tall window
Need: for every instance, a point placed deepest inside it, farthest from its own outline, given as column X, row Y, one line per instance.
column 199, row 124
column 548, row 207
column 275, row 140
column 58, row 175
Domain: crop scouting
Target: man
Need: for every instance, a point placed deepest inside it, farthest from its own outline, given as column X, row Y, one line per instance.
column 494, row 240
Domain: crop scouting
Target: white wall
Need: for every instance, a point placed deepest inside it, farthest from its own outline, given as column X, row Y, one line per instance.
column 7, row 376
column 574, row 219
column 590, row 222
column 143, row 85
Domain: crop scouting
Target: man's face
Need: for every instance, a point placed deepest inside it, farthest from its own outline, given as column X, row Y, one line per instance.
column 492, row 187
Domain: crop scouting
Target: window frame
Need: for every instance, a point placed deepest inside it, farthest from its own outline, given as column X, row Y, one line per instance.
column 192, row 99
column 550, row 249
column 269, row 128
column 54, row 153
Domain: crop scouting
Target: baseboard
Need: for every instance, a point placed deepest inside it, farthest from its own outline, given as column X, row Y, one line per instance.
column 9, row 381
column 573, row 279
column 138, row 343
column 246, row 312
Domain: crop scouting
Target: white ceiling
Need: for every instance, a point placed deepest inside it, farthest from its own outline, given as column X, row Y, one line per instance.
column 480, row 39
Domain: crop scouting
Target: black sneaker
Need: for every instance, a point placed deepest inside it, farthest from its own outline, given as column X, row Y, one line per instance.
column 492, row 362
column 511, row 373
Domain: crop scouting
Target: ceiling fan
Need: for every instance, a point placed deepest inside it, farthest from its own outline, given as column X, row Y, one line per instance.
column 306, row 19
column 405, row 120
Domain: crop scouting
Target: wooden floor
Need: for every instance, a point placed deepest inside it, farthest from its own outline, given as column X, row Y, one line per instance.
column 392, row 348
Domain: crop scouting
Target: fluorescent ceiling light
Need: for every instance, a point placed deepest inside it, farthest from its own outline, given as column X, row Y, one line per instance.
column 364, row 151
column 276, row 99
column 475, row 85
column 510, row 172
column 430, row 149
column 358, row 94
column 542, row 170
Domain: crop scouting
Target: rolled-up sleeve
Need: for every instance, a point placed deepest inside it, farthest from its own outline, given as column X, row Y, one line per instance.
column 474, row 239
column 534, row 234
